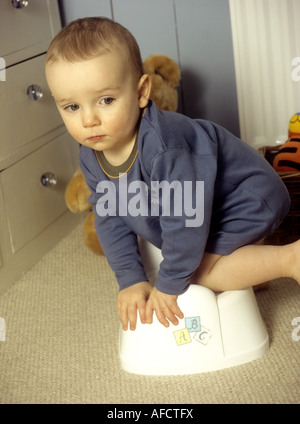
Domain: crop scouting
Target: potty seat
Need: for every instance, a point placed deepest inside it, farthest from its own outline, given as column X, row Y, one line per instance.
column 217, row 331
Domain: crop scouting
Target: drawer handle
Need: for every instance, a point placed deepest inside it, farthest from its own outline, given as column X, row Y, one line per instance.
column 49, row 180
column 19, row 4
column 34, row 92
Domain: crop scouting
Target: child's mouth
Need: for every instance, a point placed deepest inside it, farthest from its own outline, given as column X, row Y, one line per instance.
column 96, row 138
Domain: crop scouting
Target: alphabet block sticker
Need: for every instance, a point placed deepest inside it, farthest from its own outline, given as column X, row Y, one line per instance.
column 193, row 324
column 182, row 336
column 203, row 336
column 2, row 329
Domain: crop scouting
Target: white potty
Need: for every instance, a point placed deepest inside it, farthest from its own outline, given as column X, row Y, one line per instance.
column 217, row 331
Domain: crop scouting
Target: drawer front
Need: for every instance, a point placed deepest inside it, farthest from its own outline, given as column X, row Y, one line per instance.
column 23, row 119
column 27, row 31
column 31, row 207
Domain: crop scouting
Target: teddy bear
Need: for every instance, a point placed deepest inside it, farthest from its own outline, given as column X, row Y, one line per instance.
column 164, row 73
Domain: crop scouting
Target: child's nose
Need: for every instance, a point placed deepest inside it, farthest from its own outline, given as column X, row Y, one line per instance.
column 90, row 119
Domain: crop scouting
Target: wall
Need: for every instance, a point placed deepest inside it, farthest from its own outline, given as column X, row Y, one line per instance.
column 195, row 33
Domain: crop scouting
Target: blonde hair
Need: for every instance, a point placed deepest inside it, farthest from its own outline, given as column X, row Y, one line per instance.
column 87, row 38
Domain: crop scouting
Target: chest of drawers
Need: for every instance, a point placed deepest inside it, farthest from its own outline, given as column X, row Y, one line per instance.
column 37, row 156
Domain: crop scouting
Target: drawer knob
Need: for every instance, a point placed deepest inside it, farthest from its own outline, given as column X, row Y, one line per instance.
column 34, row 92
column 49, row 180
column 19, row 4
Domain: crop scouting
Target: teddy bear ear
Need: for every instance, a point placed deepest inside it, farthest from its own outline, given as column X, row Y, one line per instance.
column 164, row 66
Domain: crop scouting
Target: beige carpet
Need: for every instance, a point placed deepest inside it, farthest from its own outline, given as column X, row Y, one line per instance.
column 61, row 343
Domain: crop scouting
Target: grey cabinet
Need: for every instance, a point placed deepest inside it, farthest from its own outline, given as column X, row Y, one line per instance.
column 37, row 156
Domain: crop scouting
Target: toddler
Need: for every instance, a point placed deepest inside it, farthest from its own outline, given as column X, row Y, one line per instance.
column 191, row 188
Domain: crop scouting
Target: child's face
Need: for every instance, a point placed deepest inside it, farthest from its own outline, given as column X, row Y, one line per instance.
column 99, row 101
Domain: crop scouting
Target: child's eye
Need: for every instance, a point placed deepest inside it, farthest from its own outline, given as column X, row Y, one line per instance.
column 73, row 107
column 107, row 101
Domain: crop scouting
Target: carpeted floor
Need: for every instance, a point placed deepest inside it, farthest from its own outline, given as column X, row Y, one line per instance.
column 61, row 343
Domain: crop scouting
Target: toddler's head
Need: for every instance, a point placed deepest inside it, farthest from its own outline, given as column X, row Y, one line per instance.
column 87, row 38
column 95, row 73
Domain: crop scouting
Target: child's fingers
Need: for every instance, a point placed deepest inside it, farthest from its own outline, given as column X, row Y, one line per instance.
column 149, row 312
column 127, row 313
column 130, row 300
column 173, row 311
column 132, row 316
column 177, row 311
column 163, row 315
column 142, row 311
column 123, row 318
column 169, row 311
column 165, row 310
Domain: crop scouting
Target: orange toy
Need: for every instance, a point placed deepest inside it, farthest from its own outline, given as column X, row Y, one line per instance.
column 288, row 157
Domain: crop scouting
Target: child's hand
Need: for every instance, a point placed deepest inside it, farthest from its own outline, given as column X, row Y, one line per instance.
column 133, row 298
column 165, row 307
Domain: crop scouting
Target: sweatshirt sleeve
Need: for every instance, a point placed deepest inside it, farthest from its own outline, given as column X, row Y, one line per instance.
column 185, row 226
column 117, row 240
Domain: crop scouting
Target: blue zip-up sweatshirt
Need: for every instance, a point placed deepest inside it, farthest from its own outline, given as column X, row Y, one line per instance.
column 220, row 194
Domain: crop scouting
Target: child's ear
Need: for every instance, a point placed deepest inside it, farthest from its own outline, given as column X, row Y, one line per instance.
column 144, row 89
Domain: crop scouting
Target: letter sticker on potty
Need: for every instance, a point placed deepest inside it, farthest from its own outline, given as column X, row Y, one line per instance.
column 201, row 334
column 193, row 324
column 182, row 336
